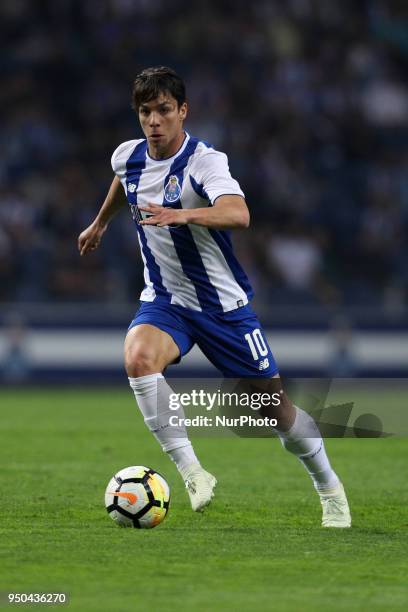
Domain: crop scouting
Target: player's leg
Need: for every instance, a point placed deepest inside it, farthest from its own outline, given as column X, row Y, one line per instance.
column 236, row 345
column 300, row 436
column 148, row 351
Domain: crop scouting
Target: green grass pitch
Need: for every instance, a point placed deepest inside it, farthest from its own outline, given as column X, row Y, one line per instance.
column 258, row 546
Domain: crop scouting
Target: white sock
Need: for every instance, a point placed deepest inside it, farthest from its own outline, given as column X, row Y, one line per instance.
column 304, row 440
column 152, row 395
column 184, row 458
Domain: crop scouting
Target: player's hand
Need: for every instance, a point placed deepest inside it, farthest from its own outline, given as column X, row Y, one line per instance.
column 162, row 215
column 90, row 238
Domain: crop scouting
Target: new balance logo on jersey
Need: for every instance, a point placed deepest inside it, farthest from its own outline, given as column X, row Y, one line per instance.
column 264, row 364
column 131, row 188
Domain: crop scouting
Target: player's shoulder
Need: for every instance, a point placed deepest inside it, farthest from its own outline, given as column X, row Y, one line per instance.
column 207, row 154
column 204, row 148
column 122, row 153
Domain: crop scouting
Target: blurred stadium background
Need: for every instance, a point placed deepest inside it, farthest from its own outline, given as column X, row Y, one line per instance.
column 309, row 99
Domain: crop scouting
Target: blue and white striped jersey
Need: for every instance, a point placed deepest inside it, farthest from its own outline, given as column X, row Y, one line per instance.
column 190, row 265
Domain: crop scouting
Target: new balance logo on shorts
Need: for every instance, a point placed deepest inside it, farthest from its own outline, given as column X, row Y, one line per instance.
column 264, row 364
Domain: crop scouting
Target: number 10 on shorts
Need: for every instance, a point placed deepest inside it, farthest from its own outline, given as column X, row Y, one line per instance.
column 256, row 344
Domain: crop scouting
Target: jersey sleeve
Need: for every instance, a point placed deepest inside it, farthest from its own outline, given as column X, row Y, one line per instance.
column 120, row 156
column 212, row 174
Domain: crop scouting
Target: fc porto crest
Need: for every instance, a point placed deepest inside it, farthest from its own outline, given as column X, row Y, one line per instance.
column 172, row 190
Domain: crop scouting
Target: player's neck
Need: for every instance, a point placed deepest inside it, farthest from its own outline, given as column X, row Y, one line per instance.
column 158, row 152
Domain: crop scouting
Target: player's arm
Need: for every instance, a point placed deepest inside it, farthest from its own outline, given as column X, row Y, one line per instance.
column 90, row 238
column 228, row 212
column 210, row 173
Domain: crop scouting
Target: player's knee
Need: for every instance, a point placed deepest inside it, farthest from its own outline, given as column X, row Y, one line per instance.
column 140, row 360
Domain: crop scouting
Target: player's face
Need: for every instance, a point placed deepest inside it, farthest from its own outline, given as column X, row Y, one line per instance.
column 161, row 120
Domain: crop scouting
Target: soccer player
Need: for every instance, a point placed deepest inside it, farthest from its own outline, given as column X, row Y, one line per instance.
column 183, row 199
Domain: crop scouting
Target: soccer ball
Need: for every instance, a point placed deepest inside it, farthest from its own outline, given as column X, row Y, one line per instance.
column 137, row 496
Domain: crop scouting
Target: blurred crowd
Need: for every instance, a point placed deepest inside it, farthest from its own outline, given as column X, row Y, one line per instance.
column 308, row 98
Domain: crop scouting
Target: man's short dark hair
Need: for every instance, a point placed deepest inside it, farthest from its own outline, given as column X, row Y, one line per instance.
column 151, row 82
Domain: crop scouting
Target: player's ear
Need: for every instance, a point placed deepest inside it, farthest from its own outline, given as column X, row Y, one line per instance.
column 183, row 111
